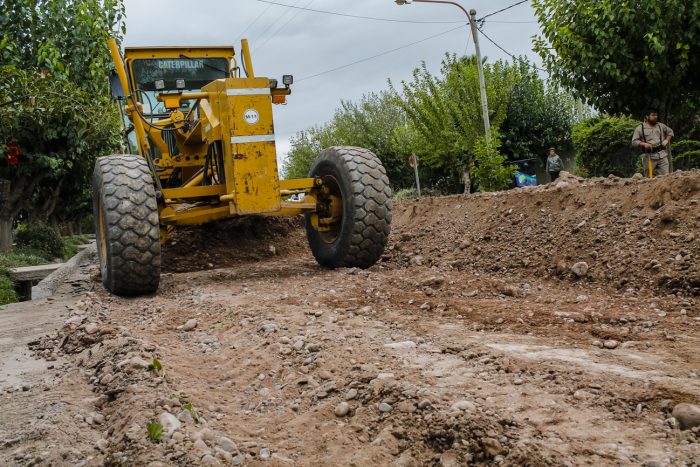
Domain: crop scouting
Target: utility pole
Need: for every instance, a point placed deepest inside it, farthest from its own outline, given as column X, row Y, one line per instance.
column 482, row 80
column 471, row 18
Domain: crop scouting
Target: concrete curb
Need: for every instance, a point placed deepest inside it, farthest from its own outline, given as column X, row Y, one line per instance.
column 53, row 281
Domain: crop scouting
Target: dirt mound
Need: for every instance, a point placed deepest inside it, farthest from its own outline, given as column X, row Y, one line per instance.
column 226, row 243
column 627, row 232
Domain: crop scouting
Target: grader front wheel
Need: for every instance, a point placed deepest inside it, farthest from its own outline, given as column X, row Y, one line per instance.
column 126, row 225
column 353, row 223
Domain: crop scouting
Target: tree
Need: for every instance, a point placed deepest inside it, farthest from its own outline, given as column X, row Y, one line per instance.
column 376, row 122
column 622, row 56
column 445, row 110
column 55, row 117
column 490, row 171
column 538, row 116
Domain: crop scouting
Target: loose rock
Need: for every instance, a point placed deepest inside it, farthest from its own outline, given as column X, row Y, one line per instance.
column 611, row 344
column 384, row 407
column 342, row 409
column 580, row 269
column 687, row 415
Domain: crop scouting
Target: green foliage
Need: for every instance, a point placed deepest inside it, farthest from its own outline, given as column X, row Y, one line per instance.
column 686, row 154
column 538, row 116
column 376, row 122
column 603, row 146
column 305, row 147
column 490, row 171
column 445, row 110
column 155, row 431
column 155, row 366
column 7, row 291
column 45, row 240
column 622, row 56
column 71, row 244
column 405, row 193
column 53, row 82
column 14, row 259
column 66, row 39
column 60, row 129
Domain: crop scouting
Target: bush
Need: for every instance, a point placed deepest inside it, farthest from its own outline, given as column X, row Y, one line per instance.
column 8, row 261
column 686, row 154
column 71, row 244
column 603, row 146
column 490, row 173
column 7, row 291
column 45, row 240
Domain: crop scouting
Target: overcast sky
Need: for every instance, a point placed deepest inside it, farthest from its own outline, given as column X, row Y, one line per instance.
column 304, row 43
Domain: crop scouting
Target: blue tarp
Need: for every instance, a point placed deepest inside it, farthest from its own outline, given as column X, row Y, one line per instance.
column 523, row 179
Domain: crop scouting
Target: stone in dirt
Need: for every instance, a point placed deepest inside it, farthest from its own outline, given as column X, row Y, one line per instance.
column 463, row 406
column 611, row 344
column 185, row 416
column 492, row 447
column 169, row 423
column 342, row 409
column 384, row 407
column 401, row 345
column 687, row 416
column 580, row 269
column 227, row 445
column 190, row 325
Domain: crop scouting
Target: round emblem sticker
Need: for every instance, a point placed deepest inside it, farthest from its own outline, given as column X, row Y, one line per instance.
column 251, row 116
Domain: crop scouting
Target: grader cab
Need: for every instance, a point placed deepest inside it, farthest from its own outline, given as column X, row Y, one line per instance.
column 203, row 129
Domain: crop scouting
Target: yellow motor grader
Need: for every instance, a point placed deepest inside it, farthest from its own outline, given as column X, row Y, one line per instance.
column 203, row 129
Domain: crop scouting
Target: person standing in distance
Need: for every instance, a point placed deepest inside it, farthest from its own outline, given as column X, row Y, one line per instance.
column 554, row 164
column 653, row 138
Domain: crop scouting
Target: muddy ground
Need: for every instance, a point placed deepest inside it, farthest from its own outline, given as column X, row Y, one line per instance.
column 480, row 338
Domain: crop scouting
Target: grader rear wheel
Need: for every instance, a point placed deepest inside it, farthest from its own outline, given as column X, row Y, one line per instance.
column 352, row 227
column 126, row 225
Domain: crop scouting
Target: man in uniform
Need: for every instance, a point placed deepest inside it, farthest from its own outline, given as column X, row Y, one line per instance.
column 653, row 138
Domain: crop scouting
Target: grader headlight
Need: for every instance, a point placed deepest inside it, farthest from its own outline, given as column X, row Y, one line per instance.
column 288, row 80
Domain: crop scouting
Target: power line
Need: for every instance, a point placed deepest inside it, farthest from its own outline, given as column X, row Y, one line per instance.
column 254, row 21
column 358, row 17
column 469, row 40
column 275, row 21
column 508, row 53
column 502, row 10
column 380, row 54
column 283, row 26
column 512, row 22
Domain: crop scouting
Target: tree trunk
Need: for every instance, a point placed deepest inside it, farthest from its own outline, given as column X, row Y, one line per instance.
column 466, row 178
column 5, row 234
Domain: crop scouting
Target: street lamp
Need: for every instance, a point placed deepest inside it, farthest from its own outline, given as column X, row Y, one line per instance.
column 471, row 18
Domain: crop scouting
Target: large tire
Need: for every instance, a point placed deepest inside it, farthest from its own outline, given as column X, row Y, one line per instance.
column 126, row 225
column 360, row 236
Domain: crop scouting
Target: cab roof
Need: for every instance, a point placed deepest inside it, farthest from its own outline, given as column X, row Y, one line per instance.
column 175, row 51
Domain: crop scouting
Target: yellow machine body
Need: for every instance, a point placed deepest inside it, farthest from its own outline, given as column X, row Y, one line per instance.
column 210, row 146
